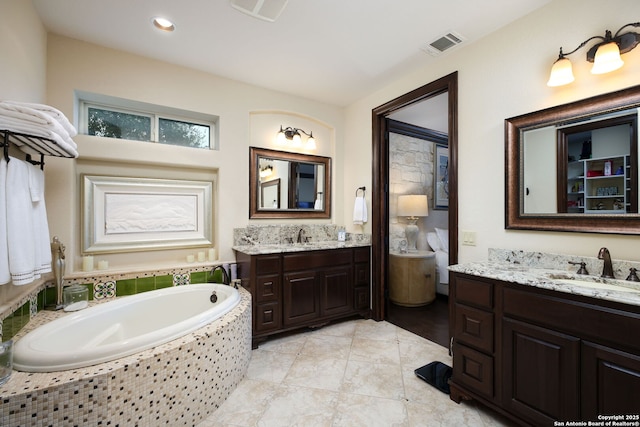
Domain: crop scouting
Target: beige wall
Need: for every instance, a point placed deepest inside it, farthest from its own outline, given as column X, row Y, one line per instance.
column 501, row 76
column 248, row 116
column 23, row 47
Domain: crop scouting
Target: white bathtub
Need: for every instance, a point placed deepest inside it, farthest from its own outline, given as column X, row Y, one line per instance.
column 121, row 327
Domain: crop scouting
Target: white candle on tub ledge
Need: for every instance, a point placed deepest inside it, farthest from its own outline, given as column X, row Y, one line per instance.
column 103, row 264
column 201, row 257
column 212, row 255
column 87, row 263
column 190, row 258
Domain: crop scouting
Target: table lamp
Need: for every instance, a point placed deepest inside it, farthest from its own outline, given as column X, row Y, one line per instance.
column 412, row 206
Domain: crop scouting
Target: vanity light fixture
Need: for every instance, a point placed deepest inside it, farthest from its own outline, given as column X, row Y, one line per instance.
column 290, row 135
column 266, row 171
column 163, row 24
column 604, row 55
column 412, row 206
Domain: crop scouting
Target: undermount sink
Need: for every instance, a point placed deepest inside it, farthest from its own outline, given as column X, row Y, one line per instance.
column 597, row 283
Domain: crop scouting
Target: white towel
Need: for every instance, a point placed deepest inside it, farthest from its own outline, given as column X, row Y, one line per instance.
column 5, row 277
column 23, row 126
column 19, row 118
column 40, row 222
column 360, row 211
column 51, row 111
column 27, row 226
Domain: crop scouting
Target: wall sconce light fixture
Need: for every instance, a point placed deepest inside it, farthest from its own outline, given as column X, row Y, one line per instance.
column 604, row 55
column 292, row 135
column 266, row 171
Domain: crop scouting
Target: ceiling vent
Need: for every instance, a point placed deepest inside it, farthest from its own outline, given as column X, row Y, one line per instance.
column 267, row 10
column 443, row 43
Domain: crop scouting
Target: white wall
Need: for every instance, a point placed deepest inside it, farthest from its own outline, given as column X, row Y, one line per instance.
column 502, row 76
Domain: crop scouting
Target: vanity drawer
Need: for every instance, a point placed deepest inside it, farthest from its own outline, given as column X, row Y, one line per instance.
column 474, row 327
column 473, row 370
column 268, row 317
column 268, row 288
column 316, row 259
column 266, row 264
column 595, row 322
column 474, row 292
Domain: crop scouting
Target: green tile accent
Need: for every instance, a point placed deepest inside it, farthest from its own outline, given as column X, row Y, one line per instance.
column 125, row 287
column 164, row 281
column 50, row 296
column 216, row 277
column 16, row 321
column 145, row 284
column 90, row 287
column 200, row 277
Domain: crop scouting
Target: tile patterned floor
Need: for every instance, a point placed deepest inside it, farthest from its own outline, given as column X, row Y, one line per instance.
column 355, row 373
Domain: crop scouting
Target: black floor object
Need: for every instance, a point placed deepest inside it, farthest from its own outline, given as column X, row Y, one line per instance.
column 437, row 374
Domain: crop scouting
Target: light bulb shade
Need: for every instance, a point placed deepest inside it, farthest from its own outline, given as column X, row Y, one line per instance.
column 281, row 139
column 297, row 139
column 607, row 59
column 311, row 143
column 414, row 205
column 561, row 73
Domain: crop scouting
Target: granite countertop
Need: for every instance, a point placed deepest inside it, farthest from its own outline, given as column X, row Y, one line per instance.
column 264, row 249
column 621, row 291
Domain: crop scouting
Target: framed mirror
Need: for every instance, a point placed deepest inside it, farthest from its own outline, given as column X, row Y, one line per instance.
column 574, row 167
column 288, row 185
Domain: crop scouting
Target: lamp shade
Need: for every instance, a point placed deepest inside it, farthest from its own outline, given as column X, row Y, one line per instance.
column 607, row 59
column 561, row 73
column 414, row 205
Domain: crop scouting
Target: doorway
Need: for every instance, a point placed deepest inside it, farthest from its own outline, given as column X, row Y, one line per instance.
column 381, row 190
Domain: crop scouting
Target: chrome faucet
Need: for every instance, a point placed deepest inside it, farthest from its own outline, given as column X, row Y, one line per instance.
column 607, row 269
column 225, row 276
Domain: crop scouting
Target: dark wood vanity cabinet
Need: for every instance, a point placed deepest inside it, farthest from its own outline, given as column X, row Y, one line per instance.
column 305, row 289
column 540, row 356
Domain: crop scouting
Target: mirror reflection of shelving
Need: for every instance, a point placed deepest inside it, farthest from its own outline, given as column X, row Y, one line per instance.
column 598, row 169
column 575, row 186
column 606, row 185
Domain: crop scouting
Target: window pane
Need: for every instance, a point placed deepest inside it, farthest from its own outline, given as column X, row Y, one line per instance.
column 183, row 133
column 113, row 124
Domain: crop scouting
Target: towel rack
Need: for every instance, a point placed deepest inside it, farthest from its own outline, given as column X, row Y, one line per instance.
column 363, row 189
column 42, row 146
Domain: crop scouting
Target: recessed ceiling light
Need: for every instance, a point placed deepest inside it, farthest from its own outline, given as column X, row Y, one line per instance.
column 163, row 24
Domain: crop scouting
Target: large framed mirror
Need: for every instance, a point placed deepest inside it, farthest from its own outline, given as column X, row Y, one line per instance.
column 574, row 167
column 288, row 185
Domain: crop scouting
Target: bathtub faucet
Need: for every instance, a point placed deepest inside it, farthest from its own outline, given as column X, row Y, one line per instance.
column 225, row 276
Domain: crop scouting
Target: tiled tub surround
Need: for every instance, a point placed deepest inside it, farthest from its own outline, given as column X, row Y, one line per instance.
column 177, row 383
column 547, row 271
column 16, row 313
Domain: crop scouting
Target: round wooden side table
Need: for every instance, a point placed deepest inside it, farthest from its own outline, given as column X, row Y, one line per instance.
column 412, row 278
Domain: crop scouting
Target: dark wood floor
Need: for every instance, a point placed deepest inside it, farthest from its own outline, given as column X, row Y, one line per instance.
column 430, row 321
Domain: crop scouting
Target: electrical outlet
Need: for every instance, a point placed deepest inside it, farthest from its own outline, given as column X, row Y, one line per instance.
column 468, row 238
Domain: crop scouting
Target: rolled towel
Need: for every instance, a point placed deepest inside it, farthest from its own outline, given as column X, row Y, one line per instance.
column 61, row 145
column 53, row 112
column 360, row 211
column 34, row 117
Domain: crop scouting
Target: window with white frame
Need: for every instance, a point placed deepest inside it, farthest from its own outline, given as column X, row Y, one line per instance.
column 124, row 119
